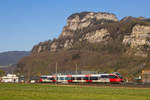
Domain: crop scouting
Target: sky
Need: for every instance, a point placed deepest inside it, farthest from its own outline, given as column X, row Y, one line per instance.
column 25, row 23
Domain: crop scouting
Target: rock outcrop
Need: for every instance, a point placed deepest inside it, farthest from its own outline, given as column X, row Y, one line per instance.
column 82, row 20
column 140, row 36
column 98, row 36
column 139, row 39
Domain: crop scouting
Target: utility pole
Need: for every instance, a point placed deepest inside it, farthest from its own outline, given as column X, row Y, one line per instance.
column 76, row 69
column 56, row 72
column 56, row 68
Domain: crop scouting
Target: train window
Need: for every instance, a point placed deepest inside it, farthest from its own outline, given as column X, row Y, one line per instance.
column 93, row 78
column 104, row 76
column 52, row 78
column 44, row 77
column 61, row 78
column 78, row 78
column 67, row 78
column 72, row 78
column 49, row 78
column 85, row 78
column 112, row 76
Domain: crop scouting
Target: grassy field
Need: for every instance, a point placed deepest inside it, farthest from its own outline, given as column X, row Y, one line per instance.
column 54, row 92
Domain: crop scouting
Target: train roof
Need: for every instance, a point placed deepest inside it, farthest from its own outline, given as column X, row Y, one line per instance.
column 46, row 76
column 78, row 75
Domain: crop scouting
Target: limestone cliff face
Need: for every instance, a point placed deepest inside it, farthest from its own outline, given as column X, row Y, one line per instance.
column 97, row 36
column 139, row 38
column 76, row 22
column 95, row 27
column 79, row 21
column 83, row 20
column 42, row 46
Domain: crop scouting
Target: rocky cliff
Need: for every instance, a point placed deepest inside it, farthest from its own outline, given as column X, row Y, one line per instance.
column 139, row 39
column 78, row 29
column 96, row 27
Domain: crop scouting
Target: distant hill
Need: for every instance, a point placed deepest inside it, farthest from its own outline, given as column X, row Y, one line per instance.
column 11, row 57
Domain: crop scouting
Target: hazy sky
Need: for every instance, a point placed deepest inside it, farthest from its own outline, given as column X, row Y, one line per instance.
column 24, row 23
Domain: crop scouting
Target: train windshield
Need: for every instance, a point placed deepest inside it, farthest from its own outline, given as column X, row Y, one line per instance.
column 120, row 77
column 112, row 76
column 118, row 74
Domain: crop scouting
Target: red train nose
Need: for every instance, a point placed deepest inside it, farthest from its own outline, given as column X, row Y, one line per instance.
column 41, row 80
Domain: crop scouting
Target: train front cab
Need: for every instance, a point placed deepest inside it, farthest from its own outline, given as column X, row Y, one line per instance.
column 115, row 78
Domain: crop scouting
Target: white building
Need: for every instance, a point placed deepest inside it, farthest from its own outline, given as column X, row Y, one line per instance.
column 10, row 78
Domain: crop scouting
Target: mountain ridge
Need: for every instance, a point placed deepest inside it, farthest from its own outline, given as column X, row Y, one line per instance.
column 12, row 57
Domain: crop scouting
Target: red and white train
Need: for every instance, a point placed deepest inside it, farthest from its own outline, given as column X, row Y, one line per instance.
column 92, row 78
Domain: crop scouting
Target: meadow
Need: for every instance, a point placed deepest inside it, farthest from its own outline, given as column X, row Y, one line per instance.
column 65, row 92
